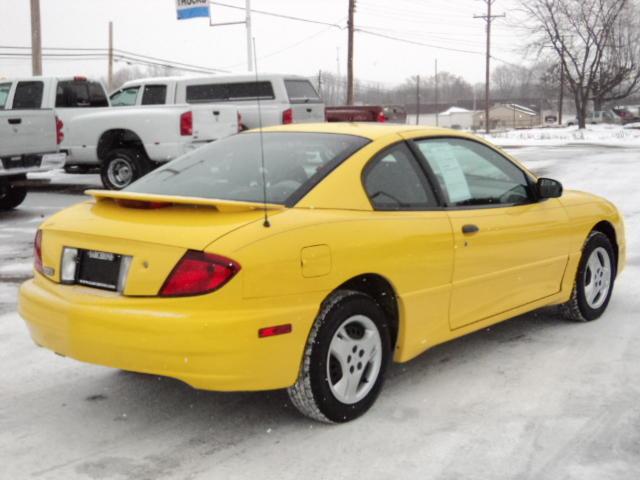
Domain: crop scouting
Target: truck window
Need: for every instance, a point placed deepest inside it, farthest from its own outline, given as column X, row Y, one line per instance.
column 80, row 94
column 4, row 94
column 28, row 95
column 154, row 95
column 301, row 91
column 224, row 92
column 125, row 98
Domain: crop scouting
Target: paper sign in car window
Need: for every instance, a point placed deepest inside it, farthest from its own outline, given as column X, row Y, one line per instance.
column 446, row 165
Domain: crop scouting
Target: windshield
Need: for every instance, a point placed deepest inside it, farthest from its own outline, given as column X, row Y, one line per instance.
column 230, row 169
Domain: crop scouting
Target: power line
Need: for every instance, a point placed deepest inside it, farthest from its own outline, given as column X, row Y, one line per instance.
column 279, row 15
column 414, row 42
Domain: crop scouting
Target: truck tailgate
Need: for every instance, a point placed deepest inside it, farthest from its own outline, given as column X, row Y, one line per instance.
column 212, row 122
column 24, row 132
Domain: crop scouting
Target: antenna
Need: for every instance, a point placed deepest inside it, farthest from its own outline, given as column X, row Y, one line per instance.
column 265, row 223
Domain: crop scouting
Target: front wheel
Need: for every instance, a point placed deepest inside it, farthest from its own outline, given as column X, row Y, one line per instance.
column 344, row 361
column 11, row 196
column 123, row 166
column 594, row 280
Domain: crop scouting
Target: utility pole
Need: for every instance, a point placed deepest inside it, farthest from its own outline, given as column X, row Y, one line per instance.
column 436, row 85
column 561, row 100
column 247, row 24
column 249, row 36
column 36, row 39
column 350, row 26
column 110, row 68
column 418, row 101
column 489, row 19
column 320, row 83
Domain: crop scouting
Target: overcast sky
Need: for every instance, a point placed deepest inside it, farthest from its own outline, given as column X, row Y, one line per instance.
column 150, row 27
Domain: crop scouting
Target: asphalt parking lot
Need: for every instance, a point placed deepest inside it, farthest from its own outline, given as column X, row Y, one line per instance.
column 536, row 397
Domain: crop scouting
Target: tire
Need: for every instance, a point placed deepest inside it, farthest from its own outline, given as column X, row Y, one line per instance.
column 123, row 166
column 594, row 280
column 350, row 324
column 11, row 196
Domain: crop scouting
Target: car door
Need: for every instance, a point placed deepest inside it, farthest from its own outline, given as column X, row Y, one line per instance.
column 510, row 249
column 418, row 257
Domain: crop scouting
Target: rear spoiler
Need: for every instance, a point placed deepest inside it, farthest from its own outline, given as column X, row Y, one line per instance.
column 150, row 201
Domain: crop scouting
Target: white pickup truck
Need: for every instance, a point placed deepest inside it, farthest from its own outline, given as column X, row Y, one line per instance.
column 29, row 142
column 283, row 98
column 126, row 143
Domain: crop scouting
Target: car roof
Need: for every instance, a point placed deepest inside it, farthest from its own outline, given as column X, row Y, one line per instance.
column 371, row 130
column 221, row 78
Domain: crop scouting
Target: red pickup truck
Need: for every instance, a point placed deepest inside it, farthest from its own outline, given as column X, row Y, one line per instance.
column 366, row 113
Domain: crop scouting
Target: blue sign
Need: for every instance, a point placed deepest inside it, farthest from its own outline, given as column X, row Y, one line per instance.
column 192, row 8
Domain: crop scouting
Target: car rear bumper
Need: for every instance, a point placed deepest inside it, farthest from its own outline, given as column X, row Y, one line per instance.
column 31, row 163
column 169, row 337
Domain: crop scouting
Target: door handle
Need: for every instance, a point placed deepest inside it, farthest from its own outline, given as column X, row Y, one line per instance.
column 470, row 229
column 216, row 112
column 14, row 121
column 309, row 110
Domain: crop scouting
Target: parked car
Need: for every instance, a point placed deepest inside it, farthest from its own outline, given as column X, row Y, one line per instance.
column 598, row 117
column 366, row 243
column 366, row 113
column 29, row 142
column 626, row 116
column 70, row 97
column 128, row 142
column 283, row 99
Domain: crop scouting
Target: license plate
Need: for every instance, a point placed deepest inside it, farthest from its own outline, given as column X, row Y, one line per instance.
column 53, row 160
column 98, row 269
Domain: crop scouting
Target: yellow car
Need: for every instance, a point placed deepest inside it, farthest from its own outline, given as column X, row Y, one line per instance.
column 352, row 246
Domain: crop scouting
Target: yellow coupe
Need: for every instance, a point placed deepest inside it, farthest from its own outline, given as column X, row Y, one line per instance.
column 354, row 245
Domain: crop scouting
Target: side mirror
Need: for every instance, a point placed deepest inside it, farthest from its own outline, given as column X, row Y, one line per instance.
column 548, row 188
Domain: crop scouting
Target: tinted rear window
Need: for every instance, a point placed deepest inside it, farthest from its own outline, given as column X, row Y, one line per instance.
column 80, row 94
column 154, row 95
column 28, row 96
column 230, row 169
column 301, row 91
column 225, row 92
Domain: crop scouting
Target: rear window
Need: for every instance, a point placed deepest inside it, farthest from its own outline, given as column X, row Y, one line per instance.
column 28, row 95
column 125, row 98
column 226, row 92
column 80, row 94
column 230, row 169
column 154, row 95
column 301, row 91
column 4, row 94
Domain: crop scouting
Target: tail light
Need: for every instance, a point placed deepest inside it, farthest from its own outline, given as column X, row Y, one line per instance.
column 382, row 117
column 197, row 273
column 186, row 124
column 59, row 132
column 37, row 252
column 287, row 116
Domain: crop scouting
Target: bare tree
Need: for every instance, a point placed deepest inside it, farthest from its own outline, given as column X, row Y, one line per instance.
column 583, row 35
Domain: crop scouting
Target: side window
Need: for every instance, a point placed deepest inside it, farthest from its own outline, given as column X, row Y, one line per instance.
column 470, row 173
column 125, row 98
column 301, row 91
column 394, row 181
column 4, row 94
column 154, row 95
column 223, row 92
column 28, row 96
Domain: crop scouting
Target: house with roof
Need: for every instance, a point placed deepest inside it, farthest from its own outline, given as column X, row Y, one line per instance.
column 508, row 115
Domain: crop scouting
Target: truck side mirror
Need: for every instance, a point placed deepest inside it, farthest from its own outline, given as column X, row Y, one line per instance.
column 548, row 188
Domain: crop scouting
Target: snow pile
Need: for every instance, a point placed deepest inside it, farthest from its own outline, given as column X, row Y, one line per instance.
column 610, row 135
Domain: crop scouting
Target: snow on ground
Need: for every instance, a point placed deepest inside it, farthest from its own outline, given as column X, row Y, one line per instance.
column 532, row 398
column 608, row 135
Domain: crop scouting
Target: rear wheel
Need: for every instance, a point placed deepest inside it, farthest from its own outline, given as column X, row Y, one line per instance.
column 123, row 166
column 594, row 280
column 344, row 361
column 11, row 195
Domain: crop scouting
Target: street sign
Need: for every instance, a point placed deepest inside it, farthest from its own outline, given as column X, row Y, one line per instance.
column 192, row 8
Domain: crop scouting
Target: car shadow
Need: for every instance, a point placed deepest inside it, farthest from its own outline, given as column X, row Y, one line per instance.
column 149, row 397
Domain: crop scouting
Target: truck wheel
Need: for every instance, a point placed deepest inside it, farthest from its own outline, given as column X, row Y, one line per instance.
column 11, row 196
column 123, row 166
column 345, row 359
